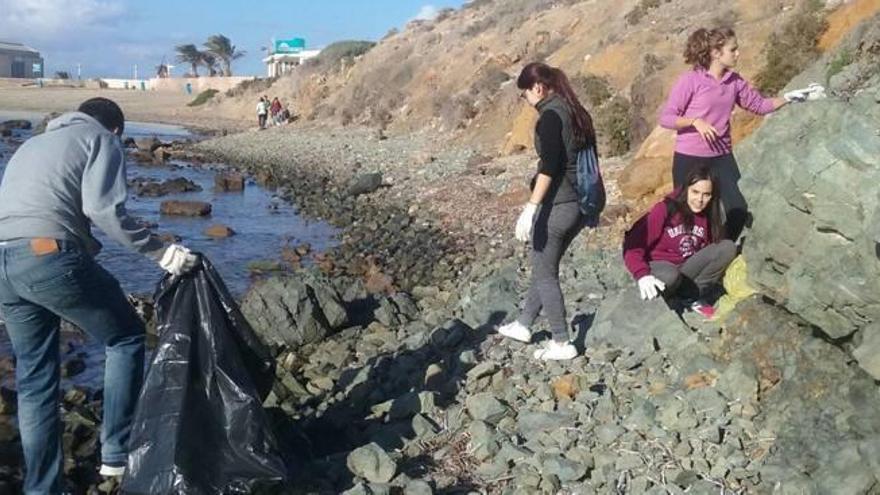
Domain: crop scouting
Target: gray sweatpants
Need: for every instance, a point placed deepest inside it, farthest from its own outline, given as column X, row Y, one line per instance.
column 554, row 228
column 704, row 268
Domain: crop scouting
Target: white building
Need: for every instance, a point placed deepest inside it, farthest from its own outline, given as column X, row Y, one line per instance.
column 287, row 55
column 279, row 64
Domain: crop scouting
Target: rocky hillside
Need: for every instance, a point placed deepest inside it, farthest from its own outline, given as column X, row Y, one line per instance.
column 453, row 76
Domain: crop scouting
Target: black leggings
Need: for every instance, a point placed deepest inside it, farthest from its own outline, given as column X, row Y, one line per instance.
column 726, row 172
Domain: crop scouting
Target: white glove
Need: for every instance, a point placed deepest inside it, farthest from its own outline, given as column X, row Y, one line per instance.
column 178, row 260
column 650, row 286
column 524, row 223
column 812, row 92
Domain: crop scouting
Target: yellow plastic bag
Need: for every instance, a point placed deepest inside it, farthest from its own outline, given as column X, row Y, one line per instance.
column 736, row 285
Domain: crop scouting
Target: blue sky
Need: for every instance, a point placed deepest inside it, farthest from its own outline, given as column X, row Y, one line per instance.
column 109, row 36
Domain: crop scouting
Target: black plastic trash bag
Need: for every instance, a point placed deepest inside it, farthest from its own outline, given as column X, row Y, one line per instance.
column 200, row 427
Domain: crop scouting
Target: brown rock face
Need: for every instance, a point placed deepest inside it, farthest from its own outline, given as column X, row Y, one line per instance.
column 844, row 19
column 230, row 181
column 379, row 283
column 142, row 157
column 185, row 208
column 147, row 144
column 646, row 179
column 161, row 154
column 649, row 174
column 219, row 231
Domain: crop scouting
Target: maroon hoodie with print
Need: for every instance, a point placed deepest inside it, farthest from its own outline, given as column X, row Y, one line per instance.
column 662, row 236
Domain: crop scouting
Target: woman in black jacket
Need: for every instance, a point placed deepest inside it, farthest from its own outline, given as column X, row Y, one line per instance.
column 552, row 217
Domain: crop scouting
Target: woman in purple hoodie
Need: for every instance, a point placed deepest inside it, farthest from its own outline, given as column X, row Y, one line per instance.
column 699, row 108
column 679, row 247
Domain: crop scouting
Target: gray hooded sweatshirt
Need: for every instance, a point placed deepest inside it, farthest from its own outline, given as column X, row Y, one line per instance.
column 60, row 182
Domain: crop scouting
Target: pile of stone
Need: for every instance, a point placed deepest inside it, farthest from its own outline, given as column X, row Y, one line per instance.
column 147, row 187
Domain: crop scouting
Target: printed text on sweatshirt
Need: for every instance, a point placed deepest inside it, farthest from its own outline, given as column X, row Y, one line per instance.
column 659, row 236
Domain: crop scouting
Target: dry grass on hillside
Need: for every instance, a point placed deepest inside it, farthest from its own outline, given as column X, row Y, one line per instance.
column 454, row 76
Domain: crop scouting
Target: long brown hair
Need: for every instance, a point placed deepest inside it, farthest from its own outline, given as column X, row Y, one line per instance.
column 698, row 51
column 556, row 80
column 678, row 203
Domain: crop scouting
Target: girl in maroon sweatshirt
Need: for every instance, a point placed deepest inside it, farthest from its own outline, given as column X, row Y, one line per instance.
column 679, row 247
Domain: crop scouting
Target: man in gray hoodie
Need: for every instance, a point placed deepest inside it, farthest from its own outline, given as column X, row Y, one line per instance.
column 54, row 188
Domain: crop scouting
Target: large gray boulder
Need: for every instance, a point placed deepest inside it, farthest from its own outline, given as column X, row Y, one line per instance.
column 868, row 351
column 365, row 184
column 492, row 300
column 810, row 174
column 372, row 463
column 818, row 412
column 293, row 311
column 639, row 328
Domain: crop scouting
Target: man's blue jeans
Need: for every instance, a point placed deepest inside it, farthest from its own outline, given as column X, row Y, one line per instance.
column 35, row 290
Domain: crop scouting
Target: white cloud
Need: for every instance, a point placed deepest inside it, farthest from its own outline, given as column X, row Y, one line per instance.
column 59, row 22
column 98, row 34
column 427, row 13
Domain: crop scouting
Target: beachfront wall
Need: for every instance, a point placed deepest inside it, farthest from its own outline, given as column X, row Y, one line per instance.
column 197, row 84
column 178, row 84
column 141, row 84
column 42, row 82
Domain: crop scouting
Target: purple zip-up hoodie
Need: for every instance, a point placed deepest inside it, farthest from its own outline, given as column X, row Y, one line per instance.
column 697, row 94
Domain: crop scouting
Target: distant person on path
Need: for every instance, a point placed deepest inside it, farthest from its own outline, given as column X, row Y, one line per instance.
column 699, row 108
column 679, row 248
column 262, row 112
column 54, row 188
column 552, row 217
column 275, row 110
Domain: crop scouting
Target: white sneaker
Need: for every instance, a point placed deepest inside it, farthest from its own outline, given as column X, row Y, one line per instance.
column 108, row 470
column 554, row 351
column 516, row 331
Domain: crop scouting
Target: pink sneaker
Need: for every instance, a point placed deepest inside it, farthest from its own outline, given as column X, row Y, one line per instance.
column 707, row 311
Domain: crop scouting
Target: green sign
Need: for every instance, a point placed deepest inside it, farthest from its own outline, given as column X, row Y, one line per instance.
column 294, row 45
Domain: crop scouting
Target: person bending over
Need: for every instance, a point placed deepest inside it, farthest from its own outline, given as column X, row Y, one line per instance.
column 55, row 187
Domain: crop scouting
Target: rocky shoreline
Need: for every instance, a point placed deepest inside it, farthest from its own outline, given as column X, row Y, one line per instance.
column 419, row 395
column 406, row 388
column 390, row 378
column 396, row 383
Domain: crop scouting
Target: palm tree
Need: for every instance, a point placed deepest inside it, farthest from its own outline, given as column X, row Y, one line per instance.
column 189, row 54
column 221, row 47
column 210, row 62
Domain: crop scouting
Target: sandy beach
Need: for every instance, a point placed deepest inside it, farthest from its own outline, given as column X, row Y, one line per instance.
column 144, row 106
